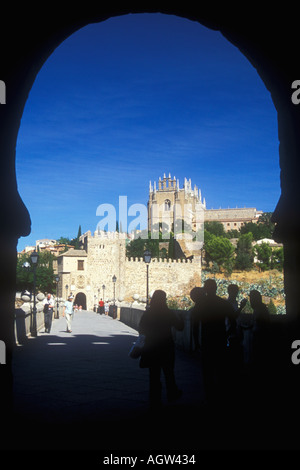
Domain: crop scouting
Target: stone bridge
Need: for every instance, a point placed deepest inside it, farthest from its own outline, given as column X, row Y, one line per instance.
column 81, row 391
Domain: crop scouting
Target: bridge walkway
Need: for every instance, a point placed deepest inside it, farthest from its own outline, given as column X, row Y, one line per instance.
column 85, row 381
column 81, row 391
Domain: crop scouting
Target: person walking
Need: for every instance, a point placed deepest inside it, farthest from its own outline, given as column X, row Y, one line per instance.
column 48, row 312
column 159, row 352
column 211, row 313
column 101, row 307
column 68, row 312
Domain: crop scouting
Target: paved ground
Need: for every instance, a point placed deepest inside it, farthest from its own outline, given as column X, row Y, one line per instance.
column 81, row 391
column 85, row 381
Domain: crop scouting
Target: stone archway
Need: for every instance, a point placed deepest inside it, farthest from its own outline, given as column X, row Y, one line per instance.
column 30, row 40
column 80, row 300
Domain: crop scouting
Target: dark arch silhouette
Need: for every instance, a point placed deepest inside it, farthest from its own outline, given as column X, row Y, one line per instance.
column 28, row 39
column 80, row 299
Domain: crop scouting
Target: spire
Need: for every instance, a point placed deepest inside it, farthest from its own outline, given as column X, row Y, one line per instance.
column 150, row 187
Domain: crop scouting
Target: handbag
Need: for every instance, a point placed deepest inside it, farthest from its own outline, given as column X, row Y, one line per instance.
column 137, row 347
column 46, row 308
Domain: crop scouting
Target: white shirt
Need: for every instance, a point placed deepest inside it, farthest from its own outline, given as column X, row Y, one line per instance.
column 69, row 307
column 49, row 301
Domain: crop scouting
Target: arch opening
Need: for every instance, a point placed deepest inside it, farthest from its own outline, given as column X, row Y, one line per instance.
column 205, row 159
column 80, row 300
column 276, row 73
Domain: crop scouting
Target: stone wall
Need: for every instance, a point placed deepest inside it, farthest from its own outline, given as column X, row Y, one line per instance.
column 104, row 256
column 173, row 276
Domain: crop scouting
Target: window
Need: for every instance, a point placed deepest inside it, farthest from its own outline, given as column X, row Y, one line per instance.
column 80, row 265
column 167, row 205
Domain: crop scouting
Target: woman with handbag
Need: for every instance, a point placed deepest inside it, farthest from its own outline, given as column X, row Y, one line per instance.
column 158, row 353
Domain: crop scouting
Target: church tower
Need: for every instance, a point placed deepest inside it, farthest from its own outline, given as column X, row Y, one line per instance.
column 169, row 204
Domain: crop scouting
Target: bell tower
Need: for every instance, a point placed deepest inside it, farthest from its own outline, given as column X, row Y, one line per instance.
column 168, row 202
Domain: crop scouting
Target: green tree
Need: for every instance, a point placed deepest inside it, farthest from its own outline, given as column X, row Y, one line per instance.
column 64, row 241
column 265, row 220
column 207, row 236
column 263, row 253
column 233, row 233
column 75, row 241
column 272, row 308
column 264, row 228
column 244, row 252
column 44, row 273
column 277, row 259
column 135, row 248
column 219, row 250
column 215, row 228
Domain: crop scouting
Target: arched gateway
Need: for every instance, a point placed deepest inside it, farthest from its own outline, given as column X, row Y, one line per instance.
column 80, row 300
column 28, row 40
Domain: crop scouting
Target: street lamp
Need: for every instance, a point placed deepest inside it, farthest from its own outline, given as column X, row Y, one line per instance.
column 103, row 288
column 147, row 259
column 27, row 266
column 67, row 287
column 57, row 306
column 34, row 261
column 114, row 279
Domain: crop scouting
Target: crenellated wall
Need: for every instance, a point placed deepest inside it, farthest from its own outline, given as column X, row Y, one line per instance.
column 104, row 256
column 173, row 276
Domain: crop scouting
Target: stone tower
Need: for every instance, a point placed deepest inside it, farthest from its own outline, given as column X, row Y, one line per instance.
column 169, row 203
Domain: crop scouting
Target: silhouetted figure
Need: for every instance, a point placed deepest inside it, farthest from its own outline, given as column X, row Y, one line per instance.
column 197, row 294
column 233, row 290
column 159, row 351
column 261, row 319
column 234, row 330
column 212, row 312
column 235, row 337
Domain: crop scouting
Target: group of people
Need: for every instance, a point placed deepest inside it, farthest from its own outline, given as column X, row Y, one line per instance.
column 68, row 310
column 216, row 333
column 103, row 307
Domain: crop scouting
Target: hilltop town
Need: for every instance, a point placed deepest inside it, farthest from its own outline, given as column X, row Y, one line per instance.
column 87, row 270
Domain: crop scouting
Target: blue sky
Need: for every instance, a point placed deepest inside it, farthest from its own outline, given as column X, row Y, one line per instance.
column 122, row 102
